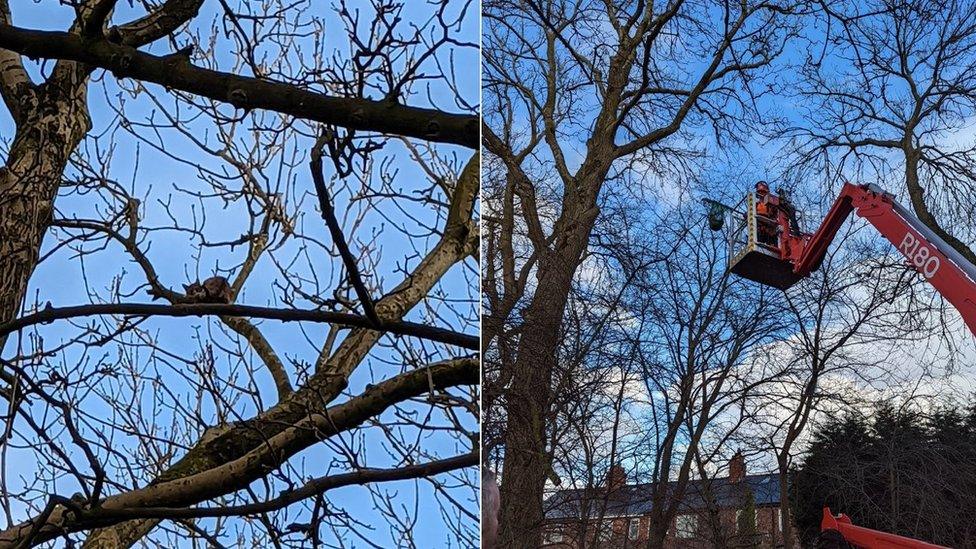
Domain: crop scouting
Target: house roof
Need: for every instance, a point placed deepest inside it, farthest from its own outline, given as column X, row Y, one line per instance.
column 635, row 499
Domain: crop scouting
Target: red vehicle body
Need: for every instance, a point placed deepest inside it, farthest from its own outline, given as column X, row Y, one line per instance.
column 769, row 252
column 858, row 536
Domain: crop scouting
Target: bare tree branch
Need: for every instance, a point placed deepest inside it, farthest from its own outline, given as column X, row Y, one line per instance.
column 201, row 309
column 246, row 93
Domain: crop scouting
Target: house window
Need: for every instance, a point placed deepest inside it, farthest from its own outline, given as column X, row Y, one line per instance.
column 755, row 518
column 634, row 529
column 606, row 531
column 686, row 526
column 554, row 536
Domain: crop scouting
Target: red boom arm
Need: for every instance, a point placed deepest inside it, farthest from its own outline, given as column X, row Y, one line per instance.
column 867, row 538
column 946, row 269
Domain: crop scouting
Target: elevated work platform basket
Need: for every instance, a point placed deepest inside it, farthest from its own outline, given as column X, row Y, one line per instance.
column 752, row 259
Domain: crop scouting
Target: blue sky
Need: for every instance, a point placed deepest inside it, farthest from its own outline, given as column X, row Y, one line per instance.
column 156, row 176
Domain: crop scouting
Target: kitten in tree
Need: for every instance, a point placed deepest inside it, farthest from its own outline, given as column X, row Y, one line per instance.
column 215, row 289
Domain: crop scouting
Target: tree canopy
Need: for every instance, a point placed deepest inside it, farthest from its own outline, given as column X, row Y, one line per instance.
column 238, row 283
column 900, row 470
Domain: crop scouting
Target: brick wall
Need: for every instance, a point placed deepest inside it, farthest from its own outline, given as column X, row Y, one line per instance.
column 767, row 524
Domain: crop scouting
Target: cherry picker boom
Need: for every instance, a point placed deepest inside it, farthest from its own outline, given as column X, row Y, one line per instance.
column 766, row 245
column 838, row 532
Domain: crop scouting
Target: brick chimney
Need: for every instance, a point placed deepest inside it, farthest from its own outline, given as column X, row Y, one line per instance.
column 616, row 477
column 737, row 468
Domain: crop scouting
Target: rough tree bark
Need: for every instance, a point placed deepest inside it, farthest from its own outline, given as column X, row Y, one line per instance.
column 51, row 123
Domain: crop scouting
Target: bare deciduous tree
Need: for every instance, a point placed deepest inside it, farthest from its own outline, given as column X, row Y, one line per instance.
column 847, row 321
column 886, row 95
column 576, row 93
column 701, row 329
column 319, row 174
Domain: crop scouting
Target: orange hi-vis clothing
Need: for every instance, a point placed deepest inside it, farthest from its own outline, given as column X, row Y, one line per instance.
column 763, row 208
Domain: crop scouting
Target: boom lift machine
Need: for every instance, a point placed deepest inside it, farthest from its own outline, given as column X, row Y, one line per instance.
column 766, row 245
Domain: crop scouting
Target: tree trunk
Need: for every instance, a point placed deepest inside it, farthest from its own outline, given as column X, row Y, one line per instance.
column 916, row 194
column 784, row 504
column 656, row 534
column 527, row 461
column 29, row 181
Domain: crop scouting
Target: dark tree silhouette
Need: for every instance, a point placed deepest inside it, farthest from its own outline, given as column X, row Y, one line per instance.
column 900, row 471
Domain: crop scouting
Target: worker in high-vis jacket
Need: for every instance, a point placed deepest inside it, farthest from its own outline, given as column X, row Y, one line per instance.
column 766, row 211
column 763, row 207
